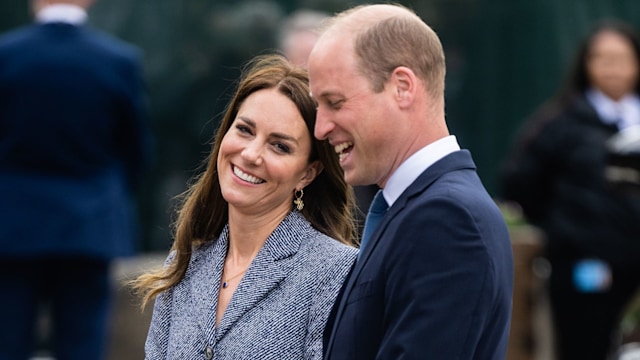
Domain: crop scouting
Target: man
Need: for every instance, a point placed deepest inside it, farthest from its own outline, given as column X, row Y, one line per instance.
column 298, row 35
column 435, row 278
column 73, row 144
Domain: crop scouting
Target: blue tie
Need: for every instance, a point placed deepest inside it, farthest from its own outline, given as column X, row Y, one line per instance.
column 377, row 209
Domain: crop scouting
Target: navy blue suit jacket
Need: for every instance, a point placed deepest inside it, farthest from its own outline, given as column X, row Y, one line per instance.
column 73, row 141
column 435, row 281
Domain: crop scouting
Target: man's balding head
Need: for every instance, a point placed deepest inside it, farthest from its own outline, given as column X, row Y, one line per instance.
column 387, row 36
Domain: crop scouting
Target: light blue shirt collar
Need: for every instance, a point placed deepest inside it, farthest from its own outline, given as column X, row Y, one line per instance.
column 623, row 113
column 65, row 13
column 415, row 165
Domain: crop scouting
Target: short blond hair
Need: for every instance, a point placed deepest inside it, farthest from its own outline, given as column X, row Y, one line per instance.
column 385, row 40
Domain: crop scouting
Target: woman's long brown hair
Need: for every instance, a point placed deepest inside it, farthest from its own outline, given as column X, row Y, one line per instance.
column 329, row 201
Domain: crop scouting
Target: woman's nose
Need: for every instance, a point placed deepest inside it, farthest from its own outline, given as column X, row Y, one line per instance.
column 252, row 153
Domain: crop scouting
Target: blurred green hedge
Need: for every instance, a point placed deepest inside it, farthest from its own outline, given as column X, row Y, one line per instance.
column 504, row 57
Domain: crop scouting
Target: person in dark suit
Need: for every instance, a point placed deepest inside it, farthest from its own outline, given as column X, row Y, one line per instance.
column 435, row 277
column 261, row 244
column 564, row 175
column 73, row 144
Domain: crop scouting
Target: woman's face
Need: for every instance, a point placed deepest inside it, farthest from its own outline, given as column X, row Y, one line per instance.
column 264, row 155
column 612, row 66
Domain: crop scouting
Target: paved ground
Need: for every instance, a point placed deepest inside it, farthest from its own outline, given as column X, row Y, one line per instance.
column 130, row 325
column 543, row 330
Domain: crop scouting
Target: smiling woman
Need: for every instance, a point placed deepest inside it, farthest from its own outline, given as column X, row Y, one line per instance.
column 260, row 275
column 265, row 155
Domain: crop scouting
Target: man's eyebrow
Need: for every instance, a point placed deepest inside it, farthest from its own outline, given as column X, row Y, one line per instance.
column 326, row 94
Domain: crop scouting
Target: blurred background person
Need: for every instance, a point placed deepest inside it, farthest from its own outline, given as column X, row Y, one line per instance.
column 298, row 33
column 73, row 145
column 557, row 174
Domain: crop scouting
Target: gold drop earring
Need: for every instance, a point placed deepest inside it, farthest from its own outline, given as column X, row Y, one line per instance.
column 298, row 199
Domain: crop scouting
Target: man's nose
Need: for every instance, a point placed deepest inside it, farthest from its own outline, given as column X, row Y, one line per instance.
column 324, row 125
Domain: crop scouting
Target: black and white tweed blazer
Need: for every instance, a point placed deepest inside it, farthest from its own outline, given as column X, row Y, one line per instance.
column 278, row 311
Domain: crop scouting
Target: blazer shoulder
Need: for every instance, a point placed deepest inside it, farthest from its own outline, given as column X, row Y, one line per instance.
column 327, row 253
column 327, row 246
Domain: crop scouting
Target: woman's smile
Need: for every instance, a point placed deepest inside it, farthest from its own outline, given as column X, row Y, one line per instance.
column 245, row 176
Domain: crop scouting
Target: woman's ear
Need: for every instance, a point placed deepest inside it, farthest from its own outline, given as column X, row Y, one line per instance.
column 313, row 170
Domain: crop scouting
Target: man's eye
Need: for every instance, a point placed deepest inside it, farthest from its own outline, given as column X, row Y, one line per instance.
column 335, row 104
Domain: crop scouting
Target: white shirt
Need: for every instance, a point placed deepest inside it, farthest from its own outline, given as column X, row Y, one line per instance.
column 65, row 13
column 415, row 165
column 623, row 113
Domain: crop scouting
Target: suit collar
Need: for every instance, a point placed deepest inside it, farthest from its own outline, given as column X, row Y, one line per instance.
column 416, row 164
column 458, row 160
column 263, row 275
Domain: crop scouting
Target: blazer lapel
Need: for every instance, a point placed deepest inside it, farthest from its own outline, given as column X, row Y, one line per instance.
column 205, row 286
column 454, row 161
column 264, row 273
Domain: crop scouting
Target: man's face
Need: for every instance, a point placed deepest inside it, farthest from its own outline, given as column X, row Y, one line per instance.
column 351, row 115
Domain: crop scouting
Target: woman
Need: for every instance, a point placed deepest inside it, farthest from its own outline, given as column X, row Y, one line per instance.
column 558, row 176
column 254, row 271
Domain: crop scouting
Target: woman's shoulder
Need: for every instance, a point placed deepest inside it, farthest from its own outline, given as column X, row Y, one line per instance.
column 315, row 243
column 321, row 258
column 327, row 249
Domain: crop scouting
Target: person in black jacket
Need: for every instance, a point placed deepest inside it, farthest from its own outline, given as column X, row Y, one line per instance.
column 558, row 175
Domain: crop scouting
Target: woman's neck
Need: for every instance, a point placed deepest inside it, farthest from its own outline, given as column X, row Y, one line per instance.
column 248, row 233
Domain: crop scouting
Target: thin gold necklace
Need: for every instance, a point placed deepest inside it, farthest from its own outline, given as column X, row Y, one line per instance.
column 225, row 283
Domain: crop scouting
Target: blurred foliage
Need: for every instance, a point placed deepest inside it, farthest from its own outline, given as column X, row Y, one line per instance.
column 512, row 214
column 504, row 57
column 630, row 323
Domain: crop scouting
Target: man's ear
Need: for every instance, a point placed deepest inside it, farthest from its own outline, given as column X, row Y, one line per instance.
column 314, row 169
column 405, row 85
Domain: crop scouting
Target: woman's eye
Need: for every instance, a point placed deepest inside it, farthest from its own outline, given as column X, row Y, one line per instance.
column 243, row 129
column 282, row 148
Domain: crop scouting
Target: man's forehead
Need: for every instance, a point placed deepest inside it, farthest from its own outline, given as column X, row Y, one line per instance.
column 324, row 76
column 331, row 53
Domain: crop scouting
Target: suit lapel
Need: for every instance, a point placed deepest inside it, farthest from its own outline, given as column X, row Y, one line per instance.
column 455, row 161
column 265, row 272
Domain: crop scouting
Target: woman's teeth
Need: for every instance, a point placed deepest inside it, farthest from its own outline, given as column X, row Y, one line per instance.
column 246, row 177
